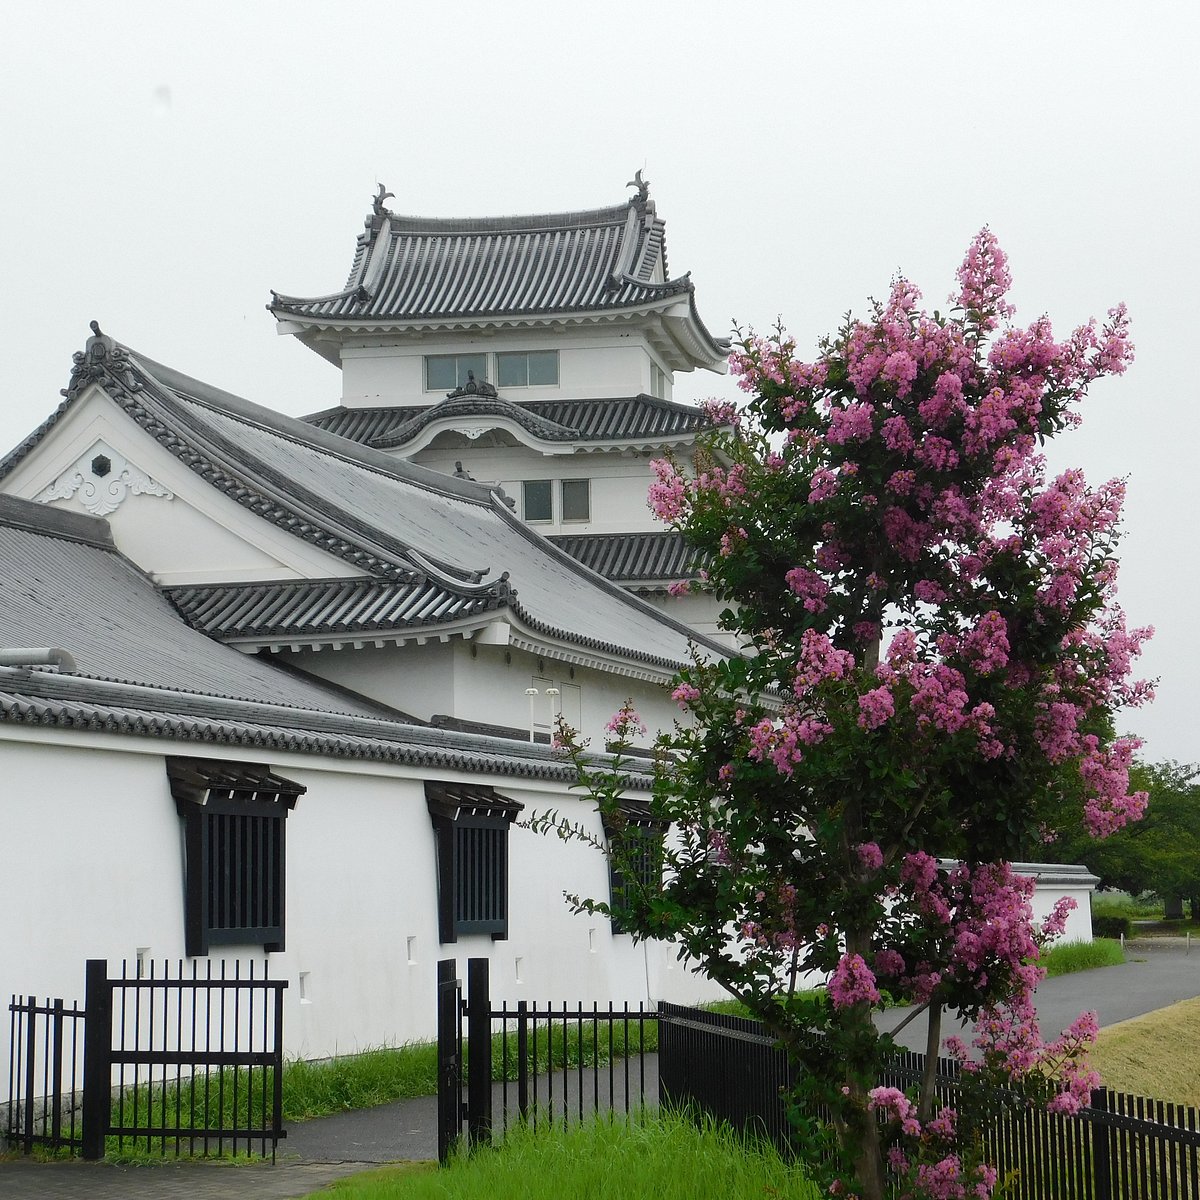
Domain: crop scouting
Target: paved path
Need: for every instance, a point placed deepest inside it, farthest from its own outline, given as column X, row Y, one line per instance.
column 1158, row 973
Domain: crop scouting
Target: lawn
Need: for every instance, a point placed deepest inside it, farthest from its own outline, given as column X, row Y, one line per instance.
column 661, row 1155
column 1154, row 1055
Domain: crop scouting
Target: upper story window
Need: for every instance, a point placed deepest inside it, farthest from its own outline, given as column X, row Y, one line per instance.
column 537, row 500
column 511, row 369
column 526, row 368
column 234, row 825
column 445, row 372
column 576, row 500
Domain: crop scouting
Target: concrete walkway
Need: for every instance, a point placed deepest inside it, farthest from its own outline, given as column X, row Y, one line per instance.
column 1156, row 972
column 1159, row 972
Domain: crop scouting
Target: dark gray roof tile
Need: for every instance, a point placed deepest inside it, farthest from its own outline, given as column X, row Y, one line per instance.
column 630, row 558
column 305, row 608
column 610, row 419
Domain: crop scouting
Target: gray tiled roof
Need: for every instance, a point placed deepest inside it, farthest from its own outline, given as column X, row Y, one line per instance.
column 615, row 419
column 388, row 518
column 61, row 587
column 302, row 608
column 143, row 672
column 630, row 558
column 95, row 706
column 417, row 267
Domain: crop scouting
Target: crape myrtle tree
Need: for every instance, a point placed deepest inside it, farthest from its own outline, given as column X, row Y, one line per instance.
column 935, row 654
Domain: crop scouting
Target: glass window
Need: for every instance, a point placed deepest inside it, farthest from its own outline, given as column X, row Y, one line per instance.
column 537, row 506
column 445, row 372
column 576, row 500
column 524, row 368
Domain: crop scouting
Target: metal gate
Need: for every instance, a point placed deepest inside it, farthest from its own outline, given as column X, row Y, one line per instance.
column 535, row 1062
column 174, row 1062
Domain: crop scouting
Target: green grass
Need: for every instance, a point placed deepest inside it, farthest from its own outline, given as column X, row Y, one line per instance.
column 378, row 1076
column 1116, row 903
column 665, row 1156
column 1068, row 957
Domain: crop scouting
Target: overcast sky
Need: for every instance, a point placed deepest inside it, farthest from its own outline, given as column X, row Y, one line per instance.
column 166, row 165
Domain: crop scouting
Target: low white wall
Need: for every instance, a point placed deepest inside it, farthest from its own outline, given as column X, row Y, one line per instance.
column 92, row 861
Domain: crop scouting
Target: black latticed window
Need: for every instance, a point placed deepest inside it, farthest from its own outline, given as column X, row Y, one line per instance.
column 471, row 825
column 234, row 846
column 635, row 855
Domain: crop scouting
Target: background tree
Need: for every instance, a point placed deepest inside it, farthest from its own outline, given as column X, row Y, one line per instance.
column 934, row 640
column 1159, row 854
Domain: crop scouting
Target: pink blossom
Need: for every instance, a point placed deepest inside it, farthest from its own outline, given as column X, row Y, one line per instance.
column 875, row 708
column 852, row 983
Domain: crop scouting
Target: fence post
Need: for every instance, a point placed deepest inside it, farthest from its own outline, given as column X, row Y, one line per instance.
column 479, row 1052
column 97, row 1058
column 1101, row 1147
column 449, row 1066
column 523, row 1058
column 30, row 1072
column 56, row 1072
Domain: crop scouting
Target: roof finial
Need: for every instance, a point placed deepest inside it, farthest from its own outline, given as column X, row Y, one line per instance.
column 94, row 326
column 642, row 185
column 377, row 202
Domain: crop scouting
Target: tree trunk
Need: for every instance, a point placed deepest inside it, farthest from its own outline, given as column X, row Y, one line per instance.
column 933, row 1043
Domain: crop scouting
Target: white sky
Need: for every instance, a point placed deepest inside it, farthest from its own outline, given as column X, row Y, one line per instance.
column 165, row 165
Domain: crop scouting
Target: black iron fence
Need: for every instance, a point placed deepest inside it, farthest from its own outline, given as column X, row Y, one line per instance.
column 183, row 1061
column 1121, row 1148
column 45, row 1074
column 536, row 1062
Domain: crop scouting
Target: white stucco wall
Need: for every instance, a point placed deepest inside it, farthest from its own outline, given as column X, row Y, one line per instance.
column 195, row 534
column 485, row 683
column 595, row 363
column 92, row 861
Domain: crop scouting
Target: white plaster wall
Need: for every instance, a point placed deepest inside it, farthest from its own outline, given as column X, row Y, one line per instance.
column 601, row 362
column 93, row 868
column 196, row 535
column 619, row 482
column 490, row 686
column 417, row 680
column 699, row 611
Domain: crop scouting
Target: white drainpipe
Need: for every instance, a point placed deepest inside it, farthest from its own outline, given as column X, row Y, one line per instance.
column 44, row 656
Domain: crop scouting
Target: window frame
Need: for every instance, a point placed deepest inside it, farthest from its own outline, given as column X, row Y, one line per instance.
column 549, row 486
column 562, row 500
column 460, row 371
column 459, row 813
column 235, row 852
column 509, row 357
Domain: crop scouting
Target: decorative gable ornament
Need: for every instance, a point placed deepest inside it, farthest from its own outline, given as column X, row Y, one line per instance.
column 100, row 480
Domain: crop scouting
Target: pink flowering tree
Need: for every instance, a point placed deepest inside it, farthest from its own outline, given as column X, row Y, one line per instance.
column 935, row 655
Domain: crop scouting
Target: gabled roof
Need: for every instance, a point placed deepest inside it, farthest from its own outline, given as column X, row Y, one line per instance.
column 392, row 519
column 618, row 420
column 420, row 269
column 142, row 672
